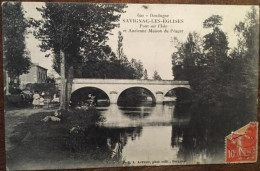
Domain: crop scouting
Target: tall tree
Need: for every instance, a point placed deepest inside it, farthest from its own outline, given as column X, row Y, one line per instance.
column 145, row 74
column 248, row 47
column 120, row 52
column 188, row 58
column 156, row 76
column 215, row 43
column 215, row 46
column 246, row 57
column 16, row 58
column 75, row 33
column 115, row 66
column 138, row 68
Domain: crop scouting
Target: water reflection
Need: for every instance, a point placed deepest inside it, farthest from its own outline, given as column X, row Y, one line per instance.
column 139, row 116
column 153, row 145
column 158, row 138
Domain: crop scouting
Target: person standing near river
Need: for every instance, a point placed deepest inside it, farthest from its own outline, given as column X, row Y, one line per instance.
column 36, row 100
column 41, row 101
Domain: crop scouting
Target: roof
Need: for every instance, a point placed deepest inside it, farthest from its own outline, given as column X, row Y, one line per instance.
column 37, row 65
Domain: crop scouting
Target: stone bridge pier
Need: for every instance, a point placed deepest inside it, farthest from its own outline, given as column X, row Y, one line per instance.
column 114, row 87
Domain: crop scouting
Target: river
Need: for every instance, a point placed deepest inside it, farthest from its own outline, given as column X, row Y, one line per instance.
column 149, row 134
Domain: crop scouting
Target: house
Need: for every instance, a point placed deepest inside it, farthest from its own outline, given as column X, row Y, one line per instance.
column 36, row 74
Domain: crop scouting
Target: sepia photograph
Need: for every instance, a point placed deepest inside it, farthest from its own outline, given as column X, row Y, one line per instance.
column 97, row 85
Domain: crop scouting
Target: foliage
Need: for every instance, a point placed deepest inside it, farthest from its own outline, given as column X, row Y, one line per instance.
column 79, row 29
column 213, row 21
column 112, row 66
column 75, row 33
column 138, row 68
column 156, row 76
column 48, row 88
column 223, row 81
column 16, row 58
column 247, row 53
column 113, row 69
column 50, row 80
column 82, row 118
column 188, row 57
column 145, row 75
column 120, row 53
column 204, row 62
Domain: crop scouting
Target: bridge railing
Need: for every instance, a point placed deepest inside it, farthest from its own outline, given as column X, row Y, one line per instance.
column 127, row 81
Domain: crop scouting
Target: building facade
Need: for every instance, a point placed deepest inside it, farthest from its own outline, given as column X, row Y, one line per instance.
column 36, row 74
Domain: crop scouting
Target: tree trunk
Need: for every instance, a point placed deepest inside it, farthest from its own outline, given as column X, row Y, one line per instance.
column 63, row 81
column 6, row 83
column 69, row 84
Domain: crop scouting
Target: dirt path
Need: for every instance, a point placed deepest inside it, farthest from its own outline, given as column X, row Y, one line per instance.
column 15, row 117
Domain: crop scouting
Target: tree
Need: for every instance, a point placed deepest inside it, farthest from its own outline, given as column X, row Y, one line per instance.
column 217, row 61
column 145, row 75
column 16, row 58
column 138, row 68
column 215, row 43
column 75, row 33
column 112, row 65
column 213, row 21
column 188, row 58
column 248, row 48
column 223, row 85
column 120, row 53
column 156, row 76
column 246, row 58
column 204, row 62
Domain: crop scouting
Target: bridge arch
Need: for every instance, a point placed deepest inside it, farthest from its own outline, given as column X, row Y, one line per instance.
column 178, row 93
column 82, row 95
column 144, row 90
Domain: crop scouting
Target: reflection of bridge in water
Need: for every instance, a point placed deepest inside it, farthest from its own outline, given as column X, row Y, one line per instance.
column 114, row 87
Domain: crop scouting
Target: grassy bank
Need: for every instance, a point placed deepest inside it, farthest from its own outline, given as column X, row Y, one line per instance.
column 37, row 141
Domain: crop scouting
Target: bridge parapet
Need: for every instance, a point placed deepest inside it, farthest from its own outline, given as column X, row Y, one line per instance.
column 128, row 81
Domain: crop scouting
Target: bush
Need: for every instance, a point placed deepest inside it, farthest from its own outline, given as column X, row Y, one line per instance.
column 81, row 118
column 82, row 125
column 49, row 88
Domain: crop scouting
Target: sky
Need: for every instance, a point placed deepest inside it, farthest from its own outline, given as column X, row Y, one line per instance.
column 153, row 49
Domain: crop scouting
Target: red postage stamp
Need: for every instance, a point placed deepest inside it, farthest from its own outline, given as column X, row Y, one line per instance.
column 241, row 145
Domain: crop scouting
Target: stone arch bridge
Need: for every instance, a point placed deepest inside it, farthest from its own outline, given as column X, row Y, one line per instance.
column 114, row 87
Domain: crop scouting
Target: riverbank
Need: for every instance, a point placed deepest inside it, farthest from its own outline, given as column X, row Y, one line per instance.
column 16, row 116
column 31, row 141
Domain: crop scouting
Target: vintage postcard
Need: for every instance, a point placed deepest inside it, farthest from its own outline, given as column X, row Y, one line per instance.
column 111, row 85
